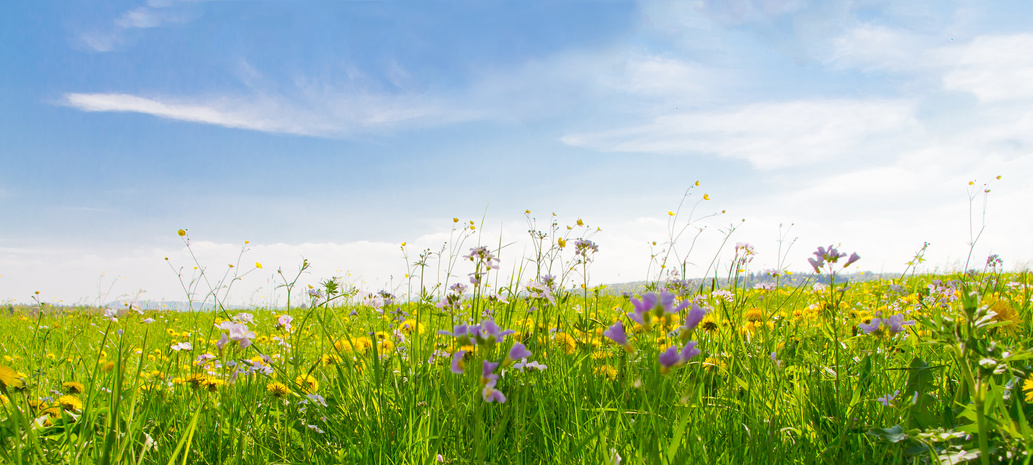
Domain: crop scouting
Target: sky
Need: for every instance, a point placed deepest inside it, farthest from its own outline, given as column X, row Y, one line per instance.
column 336, row 131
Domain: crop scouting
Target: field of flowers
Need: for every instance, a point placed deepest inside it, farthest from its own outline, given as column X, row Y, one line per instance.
column 747, row 367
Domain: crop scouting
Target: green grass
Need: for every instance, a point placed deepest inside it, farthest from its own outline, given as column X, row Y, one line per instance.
column 785, row 375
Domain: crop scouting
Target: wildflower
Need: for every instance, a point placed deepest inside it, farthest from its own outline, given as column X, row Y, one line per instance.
column 617, row 334
column 182, row 232
column 606, row 371
column 695, row 316
column 182, row 346
column 69, row 403
column 1027, row 388
column 888, row 398
column 489, row 379
column 73, row 387
column 518, row 351
column 11, row 378
column 277, row 390
column 672, row 357
column 284, row 323
column 307, row 383
column 523, row 363
column 487, row 372
column 458, row 364
column 212, row 384
column 238, row 332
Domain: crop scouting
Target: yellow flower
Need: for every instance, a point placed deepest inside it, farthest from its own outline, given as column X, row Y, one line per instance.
column 706, row 196
column 580, row 223
column 1027, row 387
column 566, row 342
column 11, row 378
column 277, row 389
column 182, row 232
column 4, row 400
column 754, row 314
column 73, row 387
column 562, row 242
column 212, row 384
column 307, row 383
column 69, row 403
column 258, row 265
column 606, row 371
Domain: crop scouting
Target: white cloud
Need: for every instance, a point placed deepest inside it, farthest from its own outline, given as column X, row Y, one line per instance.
column 317, row 115
column 154, row 14
column 994, row 68
column 768, row 135
column 875, row 47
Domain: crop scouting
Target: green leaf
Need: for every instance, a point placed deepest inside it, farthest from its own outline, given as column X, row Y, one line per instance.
column 893, row 434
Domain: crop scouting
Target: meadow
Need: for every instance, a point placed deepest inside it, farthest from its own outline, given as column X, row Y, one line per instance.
column 744, row 366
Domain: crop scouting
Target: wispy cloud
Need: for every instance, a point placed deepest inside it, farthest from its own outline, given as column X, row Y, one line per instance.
column 768, row 135
column 320, row 115
column 154, row 14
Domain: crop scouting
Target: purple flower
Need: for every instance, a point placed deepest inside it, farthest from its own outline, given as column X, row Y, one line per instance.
column 488, row 332
column 238, row 332
column 897, row 323
column 853, row 258
column 490, row 394
column 617, row 334
column 460, row 332
column 888, row 398
column 284, row 323
column 871, row 326
column 695, row 316
column 517, row 352
column 668, row 359
column 672, row 357
column 458, row 365
column 487, row 375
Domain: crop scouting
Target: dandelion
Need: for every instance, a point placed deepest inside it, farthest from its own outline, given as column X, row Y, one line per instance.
column 1027, row 388
column 11, row 378
column 73, row 387
column 212, row 384
column 278, row 390
column 69, row 403
column 307, row 383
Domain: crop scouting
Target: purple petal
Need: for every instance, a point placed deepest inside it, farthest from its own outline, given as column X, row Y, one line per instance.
column 518, row 351
column 695, row 316
column 670, row 357
column 457, row 362
column 617, row 334
column 688, row 352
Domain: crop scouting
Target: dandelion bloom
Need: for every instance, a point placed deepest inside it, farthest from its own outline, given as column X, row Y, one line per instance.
column 11, row 378
column 277, row 389
column 307, row 383
column 1027, row 388
column 69, row 403
column 73, row 387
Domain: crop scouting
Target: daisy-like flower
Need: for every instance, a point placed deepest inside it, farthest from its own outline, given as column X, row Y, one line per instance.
column 69, row 403
column 11, row 378
column 278, row 390
column 1027, row 388
column 307, row 383
column 73, row 387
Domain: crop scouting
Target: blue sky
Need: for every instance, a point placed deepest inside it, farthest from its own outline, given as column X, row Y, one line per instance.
column 337, row 130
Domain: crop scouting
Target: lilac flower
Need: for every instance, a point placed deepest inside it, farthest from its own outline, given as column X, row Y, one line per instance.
column 182, row 346
column 238, row 332
column 853, row 258
column 871, row 327
column 111, row 313
column 487, row 375
column 897, row 323
column 668, row 359
column 523, row 363
column 488, row 332
column 617, row 334
column 458, row 365
column 888, row 398
column 695, row 316
column 517, row 352
column 284, row 323
column 460, row 332
column 490, row 394
column 583, row 246
column 672, row 357
column 246, row 318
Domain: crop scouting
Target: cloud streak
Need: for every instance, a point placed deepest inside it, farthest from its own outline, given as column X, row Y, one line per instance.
column 769, row 135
